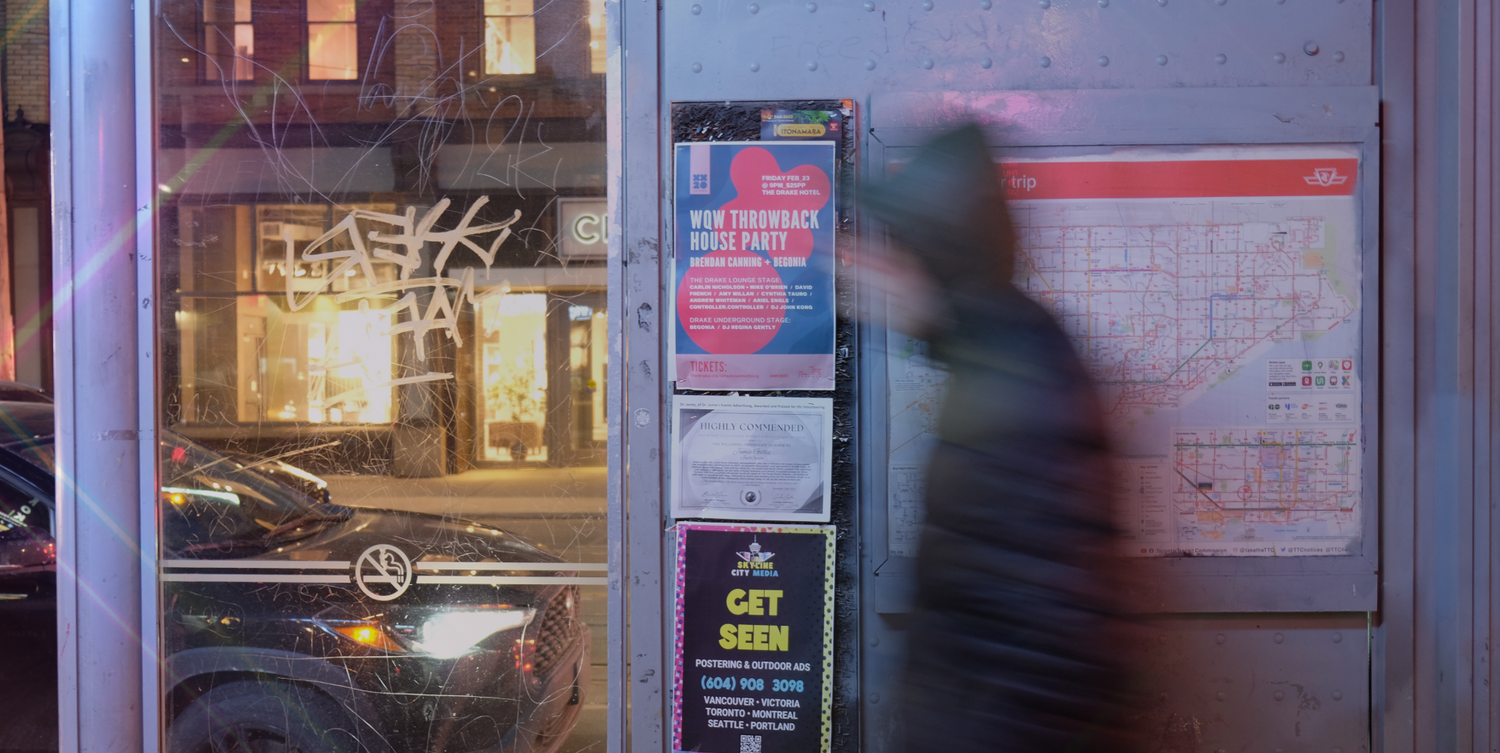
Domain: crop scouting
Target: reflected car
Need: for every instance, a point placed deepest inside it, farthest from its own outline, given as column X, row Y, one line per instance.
column 311, row 486
column 290, row 623
column 21, row 392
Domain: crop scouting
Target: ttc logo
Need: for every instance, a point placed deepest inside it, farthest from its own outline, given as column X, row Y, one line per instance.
column 1325, row 176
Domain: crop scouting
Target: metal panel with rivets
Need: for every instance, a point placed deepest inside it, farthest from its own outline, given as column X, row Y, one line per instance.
column 1266, row 683
column 1316, row 655
column 782, row 49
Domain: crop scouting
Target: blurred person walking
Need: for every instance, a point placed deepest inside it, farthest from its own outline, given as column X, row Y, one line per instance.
column 1014, row 643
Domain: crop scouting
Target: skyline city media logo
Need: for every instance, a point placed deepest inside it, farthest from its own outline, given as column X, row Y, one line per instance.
column 755, row 562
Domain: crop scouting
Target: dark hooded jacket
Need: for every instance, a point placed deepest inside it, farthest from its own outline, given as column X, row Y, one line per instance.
column 1014, row 644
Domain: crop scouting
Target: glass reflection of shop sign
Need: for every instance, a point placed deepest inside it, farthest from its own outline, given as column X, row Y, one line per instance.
column 582, row 228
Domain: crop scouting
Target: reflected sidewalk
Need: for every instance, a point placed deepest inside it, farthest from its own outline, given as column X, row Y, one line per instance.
column 481, row 494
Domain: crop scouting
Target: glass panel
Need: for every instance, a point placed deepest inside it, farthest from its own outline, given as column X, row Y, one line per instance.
column 509, row 7
column 598, row 60
column 329, row 10
column 229, row 51
column 217, row 11
column 332, row 52
column 509, row 45
column 244, row 51
column 383, row 355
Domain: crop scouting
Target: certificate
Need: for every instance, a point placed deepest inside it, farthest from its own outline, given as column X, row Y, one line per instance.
column 752, row 458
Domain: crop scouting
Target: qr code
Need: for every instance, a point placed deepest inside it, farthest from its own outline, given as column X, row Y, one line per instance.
column 749, row 743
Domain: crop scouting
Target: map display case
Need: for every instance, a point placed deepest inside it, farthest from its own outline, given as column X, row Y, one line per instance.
column 1216, row 280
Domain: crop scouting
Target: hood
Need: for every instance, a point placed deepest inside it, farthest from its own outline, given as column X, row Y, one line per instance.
column 947, row 207
column 420, row 536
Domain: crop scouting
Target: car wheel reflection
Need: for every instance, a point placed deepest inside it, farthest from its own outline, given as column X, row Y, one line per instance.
column 261, row 717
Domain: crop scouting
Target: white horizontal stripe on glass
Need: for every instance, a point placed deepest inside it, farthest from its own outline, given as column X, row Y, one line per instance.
column 511, row 580
column 252, row 578
column 580, row 566
column 259, row 564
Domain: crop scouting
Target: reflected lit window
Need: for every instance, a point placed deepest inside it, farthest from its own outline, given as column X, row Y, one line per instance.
column 513, row 376
column 332, row 41
column 597, row 60
column 228, row 40
column 248, row 356
column 509, row 37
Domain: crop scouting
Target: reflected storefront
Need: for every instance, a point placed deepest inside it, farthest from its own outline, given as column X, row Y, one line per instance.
column 382, row 377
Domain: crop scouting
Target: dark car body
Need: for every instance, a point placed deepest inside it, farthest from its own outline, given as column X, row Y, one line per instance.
column 21, row 392
column 417, row 632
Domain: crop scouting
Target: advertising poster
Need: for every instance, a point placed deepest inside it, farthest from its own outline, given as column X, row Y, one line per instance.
column 753, row 266
column 1216, row 295
column 752, row 458
column 754, row 639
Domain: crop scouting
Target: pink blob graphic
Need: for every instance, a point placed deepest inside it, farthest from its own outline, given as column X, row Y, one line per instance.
column 755, row 176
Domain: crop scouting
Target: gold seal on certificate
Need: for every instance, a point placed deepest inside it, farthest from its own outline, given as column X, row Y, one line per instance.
column 752, row 458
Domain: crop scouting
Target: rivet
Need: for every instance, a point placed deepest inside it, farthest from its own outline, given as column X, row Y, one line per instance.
column 875, row 640
column 697, row 9
column 697, row 67
column 986, row 63
column 1103, row 3
column 1221, row 58
column 1161, row 59
column 753, row 8
column 1279, row 695
column 755, row 67
column 1278, row 637
column 1338, row 695
column 927, row 63
column 874, row 698
column 985, row 4
column 1103, row 61
column 812, row 7
column 1045, row 61
column 812, row 65
column 1221, row 2
column 1338, row 57
column 1044, row 4
column 1278, row 57
column 926, row 4
column 1220, row 638
column 869, row 65
column 1162, row 3
column 1219, row 695
column 1310, row 48
column 1338, row 637
column 869, row 6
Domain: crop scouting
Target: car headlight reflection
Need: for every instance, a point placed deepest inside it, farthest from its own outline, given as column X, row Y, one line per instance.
column 450, row 634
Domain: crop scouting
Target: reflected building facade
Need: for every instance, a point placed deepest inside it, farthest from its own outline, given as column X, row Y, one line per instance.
column 382, row 225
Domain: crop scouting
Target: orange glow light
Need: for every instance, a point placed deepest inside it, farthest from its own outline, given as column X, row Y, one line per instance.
column 370, row 635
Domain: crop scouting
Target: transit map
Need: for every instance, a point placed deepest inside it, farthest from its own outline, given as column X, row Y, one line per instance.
column 1215, row 298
